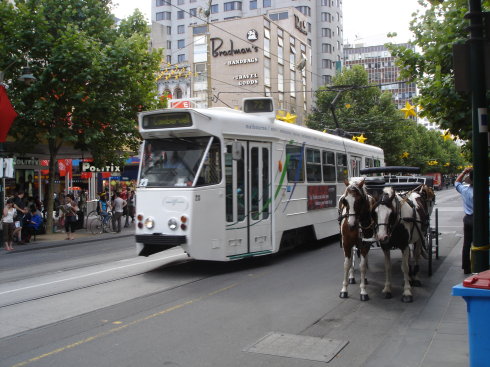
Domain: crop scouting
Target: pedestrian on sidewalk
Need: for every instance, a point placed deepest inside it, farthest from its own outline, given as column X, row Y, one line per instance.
column 19, row 204
column 131, row 207
column 119, row 204
column 8, row 225
column 69, row 211
column 466, row 192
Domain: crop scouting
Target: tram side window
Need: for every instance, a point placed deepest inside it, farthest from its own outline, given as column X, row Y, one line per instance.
column 369, row 162
column 342, row 171
column 295, row 166
column 328, row 166
column 313, row 165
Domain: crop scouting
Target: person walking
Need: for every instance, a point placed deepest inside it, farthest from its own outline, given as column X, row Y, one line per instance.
column 119, row 204
column 466, row 192
column 19, row 204
column 131, row 207
column 8, row 225
column 69, row 211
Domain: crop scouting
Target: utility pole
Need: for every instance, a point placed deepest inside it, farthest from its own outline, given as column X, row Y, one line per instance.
column 480, row 247
column 207, row 13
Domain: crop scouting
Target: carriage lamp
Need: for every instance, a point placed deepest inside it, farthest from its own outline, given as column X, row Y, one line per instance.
column 149, row 223
column 172, row 224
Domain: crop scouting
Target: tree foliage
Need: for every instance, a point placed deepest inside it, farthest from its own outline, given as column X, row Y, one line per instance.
column 361, row 108
column 430, row 65
column 93, row 75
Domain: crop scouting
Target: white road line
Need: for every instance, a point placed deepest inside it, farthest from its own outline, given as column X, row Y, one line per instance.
column 85, row 275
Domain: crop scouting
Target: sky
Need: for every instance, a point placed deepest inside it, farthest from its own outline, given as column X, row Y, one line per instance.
column 365, row 21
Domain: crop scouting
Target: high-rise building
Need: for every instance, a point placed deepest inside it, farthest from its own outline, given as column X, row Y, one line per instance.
column 381, row 68
column 322, row 26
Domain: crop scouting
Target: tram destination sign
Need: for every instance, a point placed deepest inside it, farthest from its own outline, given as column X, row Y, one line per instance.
column 167, row 120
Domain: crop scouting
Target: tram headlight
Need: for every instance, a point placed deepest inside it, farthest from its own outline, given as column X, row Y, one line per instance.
column 172, row 224
column 149, row 223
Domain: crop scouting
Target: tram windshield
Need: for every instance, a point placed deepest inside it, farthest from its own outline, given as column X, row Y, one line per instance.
column 180, row 162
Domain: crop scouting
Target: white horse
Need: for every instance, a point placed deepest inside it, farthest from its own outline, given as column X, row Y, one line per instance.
column 355, row 224
column 398, row 225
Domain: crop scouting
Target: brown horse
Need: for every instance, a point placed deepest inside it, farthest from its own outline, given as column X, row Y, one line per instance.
column 355, row 224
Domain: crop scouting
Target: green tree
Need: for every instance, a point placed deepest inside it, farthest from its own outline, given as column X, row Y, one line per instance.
column 93, row 76
column 362, row 108
column 430, row 65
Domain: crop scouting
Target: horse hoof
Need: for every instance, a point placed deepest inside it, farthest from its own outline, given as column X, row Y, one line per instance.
column 344, row 295
column 352, row 280
column 407, row 299
column 388, row 295
column 364, row 297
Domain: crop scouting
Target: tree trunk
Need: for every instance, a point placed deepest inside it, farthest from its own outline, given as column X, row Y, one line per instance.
column 53, row 152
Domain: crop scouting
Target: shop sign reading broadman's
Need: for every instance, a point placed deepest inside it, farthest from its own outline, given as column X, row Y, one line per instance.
column 218, row 50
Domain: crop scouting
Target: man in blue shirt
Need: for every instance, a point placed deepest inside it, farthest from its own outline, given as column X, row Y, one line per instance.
column 467, row 195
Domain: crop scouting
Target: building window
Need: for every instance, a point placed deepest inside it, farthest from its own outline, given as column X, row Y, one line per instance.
column 326, row 48
column 306, row 10
column 181, row 44
column 169, row 30
column 279, row 16
column 199, row 30
column 253, row 4
column 326, row 17
column 267, row 71
column 326, row 64
column 266, row 3
column 163, row 2
column 214, row 8
column 326, row 79
column 169, row 59
column 180, row 29
column 280, row 78
column 180, row 14
column 164, row 15
column 180, row 58
column 232, row 5
column 177, row 93
column 192, row 12
column 326, row 32
column 292, row 84
column 169, row 45
column 280, row 50
column 292, row 57
column 267, row 42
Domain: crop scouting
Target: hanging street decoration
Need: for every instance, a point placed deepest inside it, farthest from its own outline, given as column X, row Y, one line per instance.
column 447, row 136
column 405, row 154
column 433, row 163
column 287, row 117
column 361, row 138
column 409, row 110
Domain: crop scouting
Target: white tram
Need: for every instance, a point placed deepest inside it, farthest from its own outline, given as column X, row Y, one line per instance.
column 226, row 184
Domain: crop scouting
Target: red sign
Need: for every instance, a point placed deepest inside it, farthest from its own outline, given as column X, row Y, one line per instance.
column 180, row 104
column 320, row 197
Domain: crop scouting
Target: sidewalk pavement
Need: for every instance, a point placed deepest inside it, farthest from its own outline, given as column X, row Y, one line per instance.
column 81, row 236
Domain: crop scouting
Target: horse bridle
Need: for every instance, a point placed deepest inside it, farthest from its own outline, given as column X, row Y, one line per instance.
column 345, row 204
column 387, row 201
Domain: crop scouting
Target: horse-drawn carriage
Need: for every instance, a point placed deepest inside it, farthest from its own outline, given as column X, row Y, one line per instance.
column 391, row 209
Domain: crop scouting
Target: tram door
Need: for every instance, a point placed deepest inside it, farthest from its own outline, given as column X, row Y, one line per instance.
column 248, row 197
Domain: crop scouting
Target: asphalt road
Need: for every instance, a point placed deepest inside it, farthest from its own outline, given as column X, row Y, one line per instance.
column 96, row 304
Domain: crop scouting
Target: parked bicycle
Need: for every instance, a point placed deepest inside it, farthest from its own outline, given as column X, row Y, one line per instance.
column 100, row 224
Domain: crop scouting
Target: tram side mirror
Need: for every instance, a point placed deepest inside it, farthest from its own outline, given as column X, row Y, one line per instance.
column 236, row 151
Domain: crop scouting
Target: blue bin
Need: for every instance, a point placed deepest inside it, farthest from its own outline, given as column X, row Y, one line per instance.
column 475, row 290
